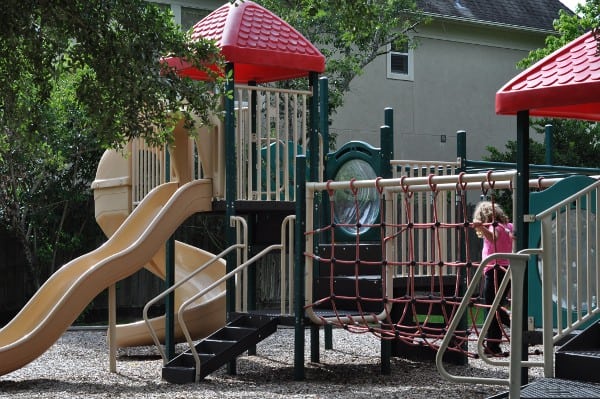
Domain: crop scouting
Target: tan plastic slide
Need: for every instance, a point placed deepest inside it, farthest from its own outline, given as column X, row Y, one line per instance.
column 112, row 195
column 68, row 291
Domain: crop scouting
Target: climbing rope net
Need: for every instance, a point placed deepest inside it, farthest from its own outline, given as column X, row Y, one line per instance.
column 426, row 254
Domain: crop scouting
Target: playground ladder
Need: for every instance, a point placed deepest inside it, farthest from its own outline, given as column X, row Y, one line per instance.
column 220, row 348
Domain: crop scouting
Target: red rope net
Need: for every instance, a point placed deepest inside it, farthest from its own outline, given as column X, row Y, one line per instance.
column 432, row 265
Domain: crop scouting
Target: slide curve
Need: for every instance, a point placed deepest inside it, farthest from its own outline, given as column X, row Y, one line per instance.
column 69, row 290
column 205, row 316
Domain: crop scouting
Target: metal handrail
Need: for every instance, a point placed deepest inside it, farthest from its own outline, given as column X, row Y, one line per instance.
column 517, row 270
column 208, row 289
column 287, row 222
column 180, row 283
column 232, row 273
column 550, row 336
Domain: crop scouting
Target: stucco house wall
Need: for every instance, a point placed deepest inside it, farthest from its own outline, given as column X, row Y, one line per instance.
column 458, row 67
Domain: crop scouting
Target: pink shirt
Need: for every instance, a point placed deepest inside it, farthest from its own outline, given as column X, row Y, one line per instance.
column 503, row 244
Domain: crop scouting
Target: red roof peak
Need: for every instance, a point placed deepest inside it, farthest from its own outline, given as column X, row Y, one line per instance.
column 262, row 47
column 565, row 84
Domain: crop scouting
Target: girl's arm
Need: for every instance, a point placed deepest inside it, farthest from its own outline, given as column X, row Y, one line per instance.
column 484, row 231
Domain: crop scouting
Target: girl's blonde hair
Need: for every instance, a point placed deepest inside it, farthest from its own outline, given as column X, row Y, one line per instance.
column 487, row 212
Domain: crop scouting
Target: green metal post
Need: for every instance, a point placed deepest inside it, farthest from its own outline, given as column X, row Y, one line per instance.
column 315, row 159
column 324, row 111
column 548, row 141
column 324, row 123
column 461, row 154
column 299, row 270
column 169, row 281
column 230, row 192
column 387, row 145
column 461, row 149
column 387, row 142
column 521, row 228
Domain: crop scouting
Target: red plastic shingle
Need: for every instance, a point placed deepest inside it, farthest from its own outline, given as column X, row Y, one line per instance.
column 565, row 84
column 261, row 46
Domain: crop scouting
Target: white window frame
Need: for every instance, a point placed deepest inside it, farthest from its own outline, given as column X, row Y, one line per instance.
column 410, row 64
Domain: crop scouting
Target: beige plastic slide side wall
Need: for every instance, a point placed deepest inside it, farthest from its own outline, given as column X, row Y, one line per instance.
column 68, row 291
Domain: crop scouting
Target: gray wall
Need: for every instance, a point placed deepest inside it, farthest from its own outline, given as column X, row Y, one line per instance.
column 457, row 71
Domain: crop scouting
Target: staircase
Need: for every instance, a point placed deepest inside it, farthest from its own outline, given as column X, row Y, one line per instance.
column 219, row 348
column 576, row 366
column 579, row 358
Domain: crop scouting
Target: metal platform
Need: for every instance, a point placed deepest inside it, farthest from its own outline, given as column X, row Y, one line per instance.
column 554, row 388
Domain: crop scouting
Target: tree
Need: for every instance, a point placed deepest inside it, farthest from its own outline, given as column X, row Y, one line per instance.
column 575, row 142
column 350, row 34
column 77, row 77
column 117, row 45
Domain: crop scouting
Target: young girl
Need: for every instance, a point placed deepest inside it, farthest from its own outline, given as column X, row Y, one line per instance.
column 492, row 224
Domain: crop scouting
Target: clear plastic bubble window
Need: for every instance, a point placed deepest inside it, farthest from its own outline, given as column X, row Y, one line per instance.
column 366, row 208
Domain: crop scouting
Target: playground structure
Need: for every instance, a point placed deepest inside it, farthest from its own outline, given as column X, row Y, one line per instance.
column 401, row 273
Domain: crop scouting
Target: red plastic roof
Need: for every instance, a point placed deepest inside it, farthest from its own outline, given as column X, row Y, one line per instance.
column 565, row 84
column 262, row 47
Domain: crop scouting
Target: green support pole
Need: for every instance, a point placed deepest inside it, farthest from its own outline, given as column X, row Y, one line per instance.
column 169, row 281
column 548, row 141
column 324, row 127
column 387, row 153
column 299, row 270
column 230, row 192
column 315, row 159
column 324, row 112
column 522, row 210
column 315, row 353
column 461, row 149
column 387, row 143
column 461, row 154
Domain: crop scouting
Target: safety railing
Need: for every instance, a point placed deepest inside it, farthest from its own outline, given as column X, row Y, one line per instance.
column 286, row 265
column 569, row 266
column 570, row 285
column 147, row 168
column 420, row 206
column 516, row 274
column 232, row 274
column 236, row 247
column 240, row 276
column 271, row 130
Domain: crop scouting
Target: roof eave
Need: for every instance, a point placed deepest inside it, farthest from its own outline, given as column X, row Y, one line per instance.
column 490, row 24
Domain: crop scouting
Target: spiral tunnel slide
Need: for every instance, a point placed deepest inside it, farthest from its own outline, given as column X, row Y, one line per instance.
column 137, row 242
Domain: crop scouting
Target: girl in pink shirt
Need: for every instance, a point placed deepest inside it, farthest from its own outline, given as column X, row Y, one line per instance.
column 491, row 224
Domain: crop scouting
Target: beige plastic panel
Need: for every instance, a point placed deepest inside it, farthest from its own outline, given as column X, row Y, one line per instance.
column 68, row 291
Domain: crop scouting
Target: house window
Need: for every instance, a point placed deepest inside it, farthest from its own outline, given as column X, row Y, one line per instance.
column 399, row 62
column 189, row 16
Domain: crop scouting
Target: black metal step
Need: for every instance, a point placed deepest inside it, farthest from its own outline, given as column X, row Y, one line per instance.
column 579, row 358
column 554, row 388
column 220, row 347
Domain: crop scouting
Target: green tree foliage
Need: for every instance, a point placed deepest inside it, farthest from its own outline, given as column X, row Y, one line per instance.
column 77, row 77
column 350, row 34
column 574, row 142
column 117, row 44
